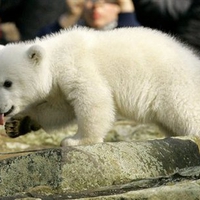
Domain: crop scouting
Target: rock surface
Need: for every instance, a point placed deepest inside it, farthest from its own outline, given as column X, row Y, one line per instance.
column 35, row 167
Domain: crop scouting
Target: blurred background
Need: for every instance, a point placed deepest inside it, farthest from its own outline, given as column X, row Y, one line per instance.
column 22, row 20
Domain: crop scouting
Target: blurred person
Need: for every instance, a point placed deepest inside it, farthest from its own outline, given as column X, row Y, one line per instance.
column 180, row 18
column 101, row 14
column 30, row 15
column 97, row 14
column 8, row 33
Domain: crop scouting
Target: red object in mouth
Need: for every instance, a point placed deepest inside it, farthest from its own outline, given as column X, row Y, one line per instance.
column 2, row 119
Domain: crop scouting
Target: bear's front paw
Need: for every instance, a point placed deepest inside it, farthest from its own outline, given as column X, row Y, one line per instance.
column 70, row 141
column 12, row 128
column 21, row 126
column 74, row 141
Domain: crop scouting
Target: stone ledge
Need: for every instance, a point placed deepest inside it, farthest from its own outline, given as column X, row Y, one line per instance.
column 21, row 171
column 86, row 170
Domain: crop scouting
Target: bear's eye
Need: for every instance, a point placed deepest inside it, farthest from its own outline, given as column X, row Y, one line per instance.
column 7, row 84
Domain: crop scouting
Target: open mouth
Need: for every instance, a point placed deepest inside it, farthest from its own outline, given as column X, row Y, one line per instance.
column 2, row 115
column 7, row 113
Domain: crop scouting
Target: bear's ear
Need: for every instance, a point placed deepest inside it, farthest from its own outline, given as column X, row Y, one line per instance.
column 1, row 47
column 36, row 53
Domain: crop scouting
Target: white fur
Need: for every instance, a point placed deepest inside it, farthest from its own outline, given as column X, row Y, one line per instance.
column 91, row 75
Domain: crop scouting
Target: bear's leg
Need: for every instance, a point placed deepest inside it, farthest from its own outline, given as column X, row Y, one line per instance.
column 180, row 112
column 94, row 109
column 20, row 126
column 92, row 125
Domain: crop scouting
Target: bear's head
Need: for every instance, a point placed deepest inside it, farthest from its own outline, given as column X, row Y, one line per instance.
column 24, row 77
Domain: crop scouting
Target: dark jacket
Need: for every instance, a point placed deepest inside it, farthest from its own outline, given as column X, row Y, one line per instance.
column 180, row 18
column 124, row 20
column 30, row 15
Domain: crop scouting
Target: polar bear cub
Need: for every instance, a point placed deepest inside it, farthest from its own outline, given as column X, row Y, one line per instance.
column 89, row 75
